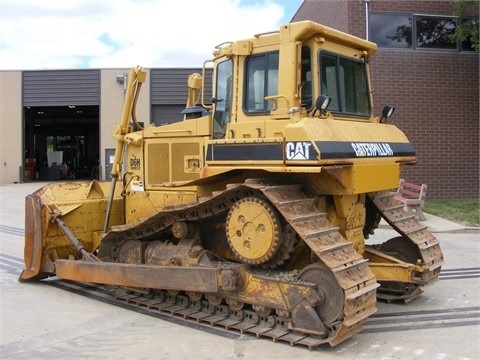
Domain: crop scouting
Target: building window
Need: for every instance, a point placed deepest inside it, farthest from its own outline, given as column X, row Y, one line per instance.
column 410, row 31
column 435, row 32
column 261, row 81
column 391, row 30
column 467, row 45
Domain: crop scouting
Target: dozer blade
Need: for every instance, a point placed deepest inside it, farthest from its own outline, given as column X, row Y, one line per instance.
column 82, row 205
column 33, row 239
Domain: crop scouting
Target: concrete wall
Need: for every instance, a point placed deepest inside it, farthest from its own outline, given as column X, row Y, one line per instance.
column 11, row 122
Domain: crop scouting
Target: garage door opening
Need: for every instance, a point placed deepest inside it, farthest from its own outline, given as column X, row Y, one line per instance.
column 61, row 142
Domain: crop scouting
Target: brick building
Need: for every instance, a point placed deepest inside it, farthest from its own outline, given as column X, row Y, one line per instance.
column 434, row 85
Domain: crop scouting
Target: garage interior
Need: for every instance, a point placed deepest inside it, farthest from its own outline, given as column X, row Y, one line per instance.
column 61, row 142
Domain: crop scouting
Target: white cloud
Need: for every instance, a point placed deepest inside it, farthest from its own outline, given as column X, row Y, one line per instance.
column 62, row 34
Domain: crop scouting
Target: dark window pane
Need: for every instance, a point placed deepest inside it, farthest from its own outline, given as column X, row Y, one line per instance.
column 435, row 32
column 467, row 46
column 272, row 78
column 354, row 87
column 344, row 80
column 223, row 95
column 329, row 81
column 261, row 81
column 471, row 23
column 255, row 83
column 306, row 85
column 391, row 30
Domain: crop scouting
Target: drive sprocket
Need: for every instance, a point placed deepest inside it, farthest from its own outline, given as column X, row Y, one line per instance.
column 253, row 230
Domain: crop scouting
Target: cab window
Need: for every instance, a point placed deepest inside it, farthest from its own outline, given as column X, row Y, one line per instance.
column 223, row 98
column 306, row 79
column 261, row 81
column 345, row 81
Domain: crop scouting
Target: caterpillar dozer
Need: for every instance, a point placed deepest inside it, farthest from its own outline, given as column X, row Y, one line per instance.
column 252, row 211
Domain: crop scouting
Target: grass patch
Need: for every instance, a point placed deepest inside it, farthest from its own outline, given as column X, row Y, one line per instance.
column 465, row 211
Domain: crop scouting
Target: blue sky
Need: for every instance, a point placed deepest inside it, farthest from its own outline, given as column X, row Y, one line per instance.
column 69, row 34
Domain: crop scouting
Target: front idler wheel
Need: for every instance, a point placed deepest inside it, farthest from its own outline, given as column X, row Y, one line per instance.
column 404, row 249
column 330, row 308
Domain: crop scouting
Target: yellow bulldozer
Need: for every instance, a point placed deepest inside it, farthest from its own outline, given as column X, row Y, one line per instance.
column 251, row 213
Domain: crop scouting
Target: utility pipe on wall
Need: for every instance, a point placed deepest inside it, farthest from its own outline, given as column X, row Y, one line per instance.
column 366, row 19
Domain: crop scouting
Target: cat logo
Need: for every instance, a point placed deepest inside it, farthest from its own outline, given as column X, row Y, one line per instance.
column 299, row 150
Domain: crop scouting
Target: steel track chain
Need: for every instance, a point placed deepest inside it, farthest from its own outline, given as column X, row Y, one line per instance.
column 349, row 268
column 220, row 316
column 405, row 223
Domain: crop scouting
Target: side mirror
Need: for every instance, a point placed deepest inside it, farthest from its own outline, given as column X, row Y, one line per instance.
column 386, row 113
column 321, row 104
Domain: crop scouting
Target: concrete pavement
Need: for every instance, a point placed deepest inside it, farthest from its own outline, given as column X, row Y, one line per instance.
column 46, row 320
column 440, row 225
